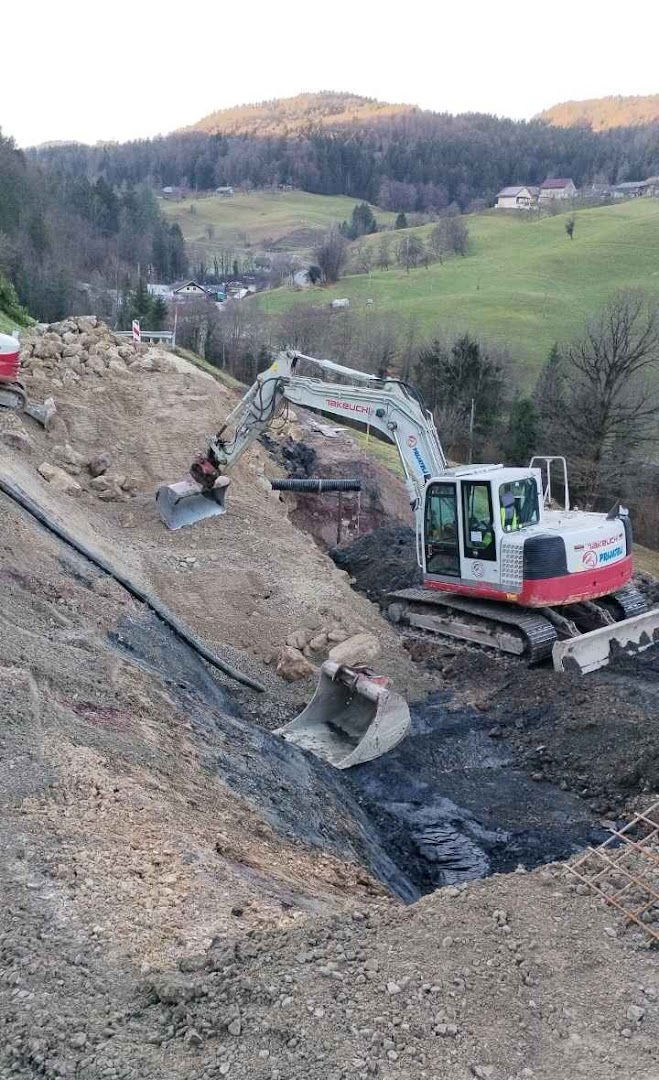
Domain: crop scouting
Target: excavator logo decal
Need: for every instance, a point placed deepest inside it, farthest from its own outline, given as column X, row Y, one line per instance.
column 351, row 406
column 420, row 462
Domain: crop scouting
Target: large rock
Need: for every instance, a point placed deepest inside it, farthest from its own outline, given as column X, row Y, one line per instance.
column 58, row 479
column 293, row 666
column 100, row 464
column 356, row 650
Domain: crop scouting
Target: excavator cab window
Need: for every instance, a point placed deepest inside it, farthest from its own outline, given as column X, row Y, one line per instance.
column 479, row 538
column 518, row 500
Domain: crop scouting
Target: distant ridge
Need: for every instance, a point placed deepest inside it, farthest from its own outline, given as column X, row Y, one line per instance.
column 288, row 116
column 601, row 114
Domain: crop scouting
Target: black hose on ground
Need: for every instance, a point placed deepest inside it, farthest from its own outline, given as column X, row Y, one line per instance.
column 316, row 484
column 16, row 493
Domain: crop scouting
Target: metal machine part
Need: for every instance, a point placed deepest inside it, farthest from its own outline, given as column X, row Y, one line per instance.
column 353, row 717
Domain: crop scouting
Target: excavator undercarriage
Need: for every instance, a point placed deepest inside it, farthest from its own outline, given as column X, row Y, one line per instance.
column 534, row 635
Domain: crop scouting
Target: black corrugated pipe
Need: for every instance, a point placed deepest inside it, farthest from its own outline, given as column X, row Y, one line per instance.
column 316, row 484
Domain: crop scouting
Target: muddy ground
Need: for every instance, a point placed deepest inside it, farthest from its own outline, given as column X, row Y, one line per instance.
column 185, row 895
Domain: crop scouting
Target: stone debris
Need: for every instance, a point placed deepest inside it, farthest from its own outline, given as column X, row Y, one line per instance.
column 58, row 479
column 356, row 650
column 293, row 666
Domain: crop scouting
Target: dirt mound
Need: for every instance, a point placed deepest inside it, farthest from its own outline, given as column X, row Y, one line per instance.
column 381, row 562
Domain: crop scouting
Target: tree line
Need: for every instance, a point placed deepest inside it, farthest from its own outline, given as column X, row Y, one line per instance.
column 420, row 161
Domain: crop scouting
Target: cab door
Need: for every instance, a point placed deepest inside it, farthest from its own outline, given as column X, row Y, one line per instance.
column 479, row 532
column 442, row 530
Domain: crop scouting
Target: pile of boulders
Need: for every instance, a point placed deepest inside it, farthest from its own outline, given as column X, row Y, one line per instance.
column 294, row 660
column 83, row 347
column 77, row 352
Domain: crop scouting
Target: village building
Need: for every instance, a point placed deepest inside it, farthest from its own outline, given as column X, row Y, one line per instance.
column 557, row 188
column 517, row 198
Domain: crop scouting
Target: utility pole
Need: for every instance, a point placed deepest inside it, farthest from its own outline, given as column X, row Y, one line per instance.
column 471, row 433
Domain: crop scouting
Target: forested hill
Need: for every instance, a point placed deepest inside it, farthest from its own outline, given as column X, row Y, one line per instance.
column 602, row 114
column 411, row 160
column 67, row 241
column 296, row 115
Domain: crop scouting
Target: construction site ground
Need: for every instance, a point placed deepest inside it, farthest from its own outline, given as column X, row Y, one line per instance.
column 185, row 894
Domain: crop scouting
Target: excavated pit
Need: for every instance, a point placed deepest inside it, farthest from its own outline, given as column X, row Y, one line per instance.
column 446, row 806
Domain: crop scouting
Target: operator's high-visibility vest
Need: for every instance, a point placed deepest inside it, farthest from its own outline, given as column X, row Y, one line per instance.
column 512, row 524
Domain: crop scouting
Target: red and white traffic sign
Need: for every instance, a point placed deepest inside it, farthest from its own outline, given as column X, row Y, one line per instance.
column 137, row 333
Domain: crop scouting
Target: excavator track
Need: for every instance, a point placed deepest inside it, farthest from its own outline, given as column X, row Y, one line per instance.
column 12, row 395
column 499, row 626
column 631, row 601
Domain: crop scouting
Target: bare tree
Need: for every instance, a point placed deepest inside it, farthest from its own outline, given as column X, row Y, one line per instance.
column 362, row 257
column 383, row 257
column 331, row 254
column 450, row 235
column 410, row 251
column 608, row 411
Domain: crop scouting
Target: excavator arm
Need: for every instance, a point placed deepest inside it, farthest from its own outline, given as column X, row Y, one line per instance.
column 386, row 405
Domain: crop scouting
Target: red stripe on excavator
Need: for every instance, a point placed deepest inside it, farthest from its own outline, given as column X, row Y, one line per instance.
column 549, row 592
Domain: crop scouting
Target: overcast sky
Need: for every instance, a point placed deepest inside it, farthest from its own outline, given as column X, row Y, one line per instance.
column 79, row 69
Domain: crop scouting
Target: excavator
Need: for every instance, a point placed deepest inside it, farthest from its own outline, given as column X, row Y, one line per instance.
column 503, row 564
column 13, row 395
column 12, row 391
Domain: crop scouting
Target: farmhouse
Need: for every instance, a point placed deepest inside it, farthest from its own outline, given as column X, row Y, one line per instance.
column 188, row 290
column 630, row 189
column 517, row 198
column 557, row 188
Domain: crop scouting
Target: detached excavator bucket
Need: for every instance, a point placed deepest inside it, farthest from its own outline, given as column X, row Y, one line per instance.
column 351, row 718
column 186, row 503
column 594, row 650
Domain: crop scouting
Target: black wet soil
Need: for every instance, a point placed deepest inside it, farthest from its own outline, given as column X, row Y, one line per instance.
column 447, row 805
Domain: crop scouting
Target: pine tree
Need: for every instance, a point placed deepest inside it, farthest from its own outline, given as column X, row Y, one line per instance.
column 521, row 439
column 159, row 313
column 401, row 220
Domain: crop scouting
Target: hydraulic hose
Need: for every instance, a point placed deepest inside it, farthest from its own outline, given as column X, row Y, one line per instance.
column 316, row 484
column 16, row 493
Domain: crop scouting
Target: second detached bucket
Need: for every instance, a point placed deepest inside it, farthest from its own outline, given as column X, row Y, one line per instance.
column 351, row 718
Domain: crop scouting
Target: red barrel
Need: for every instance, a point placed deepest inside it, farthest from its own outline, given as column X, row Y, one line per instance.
column 10, row 358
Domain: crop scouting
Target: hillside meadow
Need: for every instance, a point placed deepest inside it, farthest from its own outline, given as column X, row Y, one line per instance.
column 524, row 284
column 273, row 221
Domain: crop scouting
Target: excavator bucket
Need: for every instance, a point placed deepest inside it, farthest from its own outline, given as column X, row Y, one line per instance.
column 351, row 718
column 187, row 502
column 596, row 649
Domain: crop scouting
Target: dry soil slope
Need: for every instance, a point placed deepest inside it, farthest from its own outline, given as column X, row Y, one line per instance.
column 244, row 581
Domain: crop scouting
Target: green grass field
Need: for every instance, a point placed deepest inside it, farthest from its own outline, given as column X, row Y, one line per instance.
column 524, row 283
column 284, row 221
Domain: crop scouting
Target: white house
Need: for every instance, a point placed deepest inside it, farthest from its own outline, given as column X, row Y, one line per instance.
column 517, row 198
column 557, row 188
column 159, row 290
column 188, row 290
